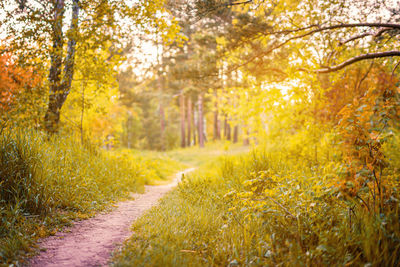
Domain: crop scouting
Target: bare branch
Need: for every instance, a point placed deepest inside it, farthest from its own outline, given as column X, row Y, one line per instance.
column 359, row 58
column 394, row 69
column 365, row 75
column 376, row 34
column 355, row 38
column 238, row 3
column 320, row 28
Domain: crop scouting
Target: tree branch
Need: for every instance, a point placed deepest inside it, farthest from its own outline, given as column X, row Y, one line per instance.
column 355, row 38
column 238, row 3
column 359, row 58
column 320, row 28
column 229, row 4
column 365, row 75
column 316, row 28
column 376, row 34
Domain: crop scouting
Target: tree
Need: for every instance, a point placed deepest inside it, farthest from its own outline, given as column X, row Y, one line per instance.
column 320, row 43
column 32, row 24
column 19, row 91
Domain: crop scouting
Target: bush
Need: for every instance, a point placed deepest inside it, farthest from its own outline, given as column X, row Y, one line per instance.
column 263, row 209
column 46, row 182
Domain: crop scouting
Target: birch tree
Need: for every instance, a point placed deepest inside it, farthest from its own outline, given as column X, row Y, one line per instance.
column 52, row 30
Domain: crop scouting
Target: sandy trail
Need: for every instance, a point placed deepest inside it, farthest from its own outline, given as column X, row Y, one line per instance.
column 90, row 242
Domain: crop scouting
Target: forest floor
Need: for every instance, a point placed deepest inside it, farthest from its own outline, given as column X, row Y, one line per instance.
column 91, row 242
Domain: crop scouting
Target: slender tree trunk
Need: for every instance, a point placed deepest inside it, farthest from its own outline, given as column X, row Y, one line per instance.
column 235, row 134
column 83, row 108
column 60, row 87
column 225, row 126
column 189, row 120
column 200, row 121
column 160, row 83
column 162, row 115
column 183, row 119
column 204, row 128
column 228, row 132
column 246, row 140
column 162, row 126
column 217, row 130
column 227, row 129
column 161, row 112
column 128, row 130
column 195, row 123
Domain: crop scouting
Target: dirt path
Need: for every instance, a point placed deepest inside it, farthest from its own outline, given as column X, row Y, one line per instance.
column 90, row 242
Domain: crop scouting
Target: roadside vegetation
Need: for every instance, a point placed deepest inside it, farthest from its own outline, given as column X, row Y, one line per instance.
column 48, row 182
column 267, row 208
column 195, row 157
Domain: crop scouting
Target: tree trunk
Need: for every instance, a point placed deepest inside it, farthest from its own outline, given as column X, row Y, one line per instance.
column 129, row 133
column 195, row 123
column 200, row 121
column 162, row 126
column 183, row 118
column 246, row 140
column 52, row 116
column 227, row 129
column 225, row 126
column 160, row 83
column 161, row 114
column 189, row 120
column 60, row 88
column 235, row 134
column 217, row 130
column 204, row 128
column 84, row 83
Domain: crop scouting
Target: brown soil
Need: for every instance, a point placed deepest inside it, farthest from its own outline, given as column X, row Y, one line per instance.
column 91, row 242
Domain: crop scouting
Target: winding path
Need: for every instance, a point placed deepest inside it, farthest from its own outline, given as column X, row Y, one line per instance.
column 91, row 242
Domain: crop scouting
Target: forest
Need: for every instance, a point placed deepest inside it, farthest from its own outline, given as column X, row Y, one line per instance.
column 200, row 132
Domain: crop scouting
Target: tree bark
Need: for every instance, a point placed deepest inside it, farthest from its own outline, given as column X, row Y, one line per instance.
column 84, row 83
column 227, row 129
column 162, row 126
column 359, row 58
column 160, row 84
column 200, row 121
column 246, row 140
column 217, row 130
column 60, row 87
column 52, row 116
column 161, row 114
column 128, row 131
column 183, row 118
column 195, row 123
column 235, row 134
column 189, row 120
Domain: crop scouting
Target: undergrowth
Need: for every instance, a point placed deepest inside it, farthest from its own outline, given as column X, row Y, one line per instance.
column 45, row 183
column 266, row 209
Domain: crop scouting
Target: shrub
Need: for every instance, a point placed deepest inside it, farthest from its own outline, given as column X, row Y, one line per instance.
column 46, row 182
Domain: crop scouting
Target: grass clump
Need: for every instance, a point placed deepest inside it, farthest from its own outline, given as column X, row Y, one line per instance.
column 45, row 183
column 157, row 167
column 264, row 209
column 195, row 156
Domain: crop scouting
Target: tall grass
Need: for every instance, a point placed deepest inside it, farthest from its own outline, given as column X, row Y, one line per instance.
column 44, row 183
column 264, row 209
